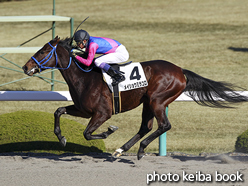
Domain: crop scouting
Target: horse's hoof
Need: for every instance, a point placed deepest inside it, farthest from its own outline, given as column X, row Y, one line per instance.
column 117, row 153
column 63, row 141
column 113, row 128
column 141, row 155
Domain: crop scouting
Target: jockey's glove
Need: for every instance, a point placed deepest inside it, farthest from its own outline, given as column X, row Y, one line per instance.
column 73, row 55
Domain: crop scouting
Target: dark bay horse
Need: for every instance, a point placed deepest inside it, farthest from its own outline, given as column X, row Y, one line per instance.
column 93, row 99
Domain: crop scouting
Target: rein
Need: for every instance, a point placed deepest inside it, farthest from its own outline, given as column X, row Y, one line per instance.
column 82, row 68
column 76, row 62
column 49, row 56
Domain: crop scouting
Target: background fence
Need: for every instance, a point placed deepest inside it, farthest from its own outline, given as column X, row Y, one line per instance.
column 19, row 49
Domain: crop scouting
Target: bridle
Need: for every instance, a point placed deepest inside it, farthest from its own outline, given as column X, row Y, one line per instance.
column 40, row 64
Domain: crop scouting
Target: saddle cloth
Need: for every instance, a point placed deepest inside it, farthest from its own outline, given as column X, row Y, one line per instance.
column 135, row 78
column 134, row 74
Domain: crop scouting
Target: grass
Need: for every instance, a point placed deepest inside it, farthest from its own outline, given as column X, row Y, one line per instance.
column 241, row 144
column 208, row 37
column 20, row 131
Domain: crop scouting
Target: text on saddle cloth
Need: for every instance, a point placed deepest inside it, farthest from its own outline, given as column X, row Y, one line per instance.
column 134, row 74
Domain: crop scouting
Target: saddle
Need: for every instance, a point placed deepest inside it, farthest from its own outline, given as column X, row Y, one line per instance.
column 135, row 78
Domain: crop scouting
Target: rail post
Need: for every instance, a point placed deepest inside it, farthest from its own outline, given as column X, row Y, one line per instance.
column 162, row 140
column 53, row 36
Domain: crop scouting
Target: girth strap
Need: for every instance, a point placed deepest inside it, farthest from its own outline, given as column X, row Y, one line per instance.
column 116, row 95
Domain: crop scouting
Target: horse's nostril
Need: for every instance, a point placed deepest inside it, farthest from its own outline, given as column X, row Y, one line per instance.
column 25, row 68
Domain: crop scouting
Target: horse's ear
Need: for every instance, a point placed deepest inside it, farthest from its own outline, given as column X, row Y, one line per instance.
column 56, row 40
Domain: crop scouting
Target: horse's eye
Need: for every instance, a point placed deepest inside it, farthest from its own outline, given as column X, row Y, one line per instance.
column 41, row 52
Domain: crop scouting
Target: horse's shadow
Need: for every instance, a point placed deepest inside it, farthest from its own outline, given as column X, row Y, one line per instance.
column 238, row 49
column 92, row 157
column 70, row 157
column 46, row 146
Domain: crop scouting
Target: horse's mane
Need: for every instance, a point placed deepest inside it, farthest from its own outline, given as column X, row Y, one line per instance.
column 66, row 43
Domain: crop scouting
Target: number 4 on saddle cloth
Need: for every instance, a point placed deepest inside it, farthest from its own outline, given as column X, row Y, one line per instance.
column 135, row 78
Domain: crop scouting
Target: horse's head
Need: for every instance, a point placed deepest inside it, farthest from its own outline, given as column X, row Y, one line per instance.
column 45, row 58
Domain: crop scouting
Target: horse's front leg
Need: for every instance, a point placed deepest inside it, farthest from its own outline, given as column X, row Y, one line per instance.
column 71, row 110
column 96, row 121
column 57, row 131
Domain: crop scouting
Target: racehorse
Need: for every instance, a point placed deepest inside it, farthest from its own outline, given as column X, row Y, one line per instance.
column 93, row 99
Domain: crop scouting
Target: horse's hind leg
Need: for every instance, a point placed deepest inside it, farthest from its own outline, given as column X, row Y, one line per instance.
column 146, row 126
column 71, row 110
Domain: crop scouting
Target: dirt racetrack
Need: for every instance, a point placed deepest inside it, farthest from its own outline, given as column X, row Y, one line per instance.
column 19, row 169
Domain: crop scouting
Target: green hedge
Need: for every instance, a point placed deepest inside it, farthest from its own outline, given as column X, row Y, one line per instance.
column 242, row 142
column 32, row 131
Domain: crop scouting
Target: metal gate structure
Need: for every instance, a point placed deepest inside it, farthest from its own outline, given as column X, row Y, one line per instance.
column 19, row 49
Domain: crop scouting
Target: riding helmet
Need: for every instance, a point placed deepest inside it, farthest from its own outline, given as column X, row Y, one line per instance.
column 81, row 35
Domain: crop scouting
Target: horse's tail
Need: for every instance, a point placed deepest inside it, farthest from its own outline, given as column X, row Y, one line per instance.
column 211, row 93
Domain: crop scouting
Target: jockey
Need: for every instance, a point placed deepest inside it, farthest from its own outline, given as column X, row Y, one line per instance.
column 112, row 50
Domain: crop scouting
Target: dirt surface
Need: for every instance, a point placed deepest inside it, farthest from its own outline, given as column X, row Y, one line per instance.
column 102, row 169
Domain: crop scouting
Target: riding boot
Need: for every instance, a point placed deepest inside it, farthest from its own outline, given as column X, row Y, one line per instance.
column 116, row 75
